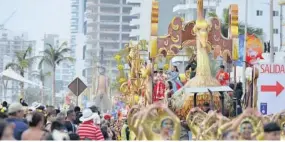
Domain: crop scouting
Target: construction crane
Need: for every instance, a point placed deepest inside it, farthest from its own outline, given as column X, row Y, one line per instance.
column 6, row 20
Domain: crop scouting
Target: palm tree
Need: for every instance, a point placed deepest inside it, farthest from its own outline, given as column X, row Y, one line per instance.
column 53, row 56
column 225, row 25
column 23, row 61
column 41, row 75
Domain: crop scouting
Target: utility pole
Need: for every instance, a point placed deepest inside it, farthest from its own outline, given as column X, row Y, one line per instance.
column 244, row 47
column 281, row 3
column 271, row 33
column 281, row 29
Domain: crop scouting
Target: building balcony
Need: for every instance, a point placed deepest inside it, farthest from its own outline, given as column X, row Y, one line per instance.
column 135, row 33
column 109, row 22
column 135, row 11
column 92, row 23
column 90, row 5
column 134, row 22
column 74, row 3
column 91, row 15
column 183, row 8
column 109, row 5
column 109, row 31
column 134, row 1
column 110, row 49
column 110, row 13
column 92, row 33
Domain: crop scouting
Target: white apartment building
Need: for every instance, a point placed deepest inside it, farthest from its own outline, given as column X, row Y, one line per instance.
column 76, row 27
column 187, row 9
column 258, row 14
column 142, row 24
column 107, row 32
column 10, row 43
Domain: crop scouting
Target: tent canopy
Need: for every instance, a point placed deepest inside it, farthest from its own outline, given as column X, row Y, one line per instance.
column 10, row 74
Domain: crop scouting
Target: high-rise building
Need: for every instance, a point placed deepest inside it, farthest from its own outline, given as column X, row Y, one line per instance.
column 107, row 31
column 76, row 22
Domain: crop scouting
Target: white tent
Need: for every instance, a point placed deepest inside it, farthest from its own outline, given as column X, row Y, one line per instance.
column 10, row 74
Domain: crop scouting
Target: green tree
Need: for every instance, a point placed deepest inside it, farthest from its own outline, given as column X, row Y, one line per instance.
column 23, row 62
column 41, row 75
column 53, row 56
column 225, row 25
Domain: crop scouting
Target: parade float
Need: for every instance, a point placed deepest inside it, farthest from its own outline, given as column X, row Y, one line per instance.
column 134, row 79
column 206, row 38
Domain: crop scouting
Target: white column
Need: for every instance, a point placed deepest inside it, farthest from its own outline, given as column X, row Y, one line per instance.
column 244, row 51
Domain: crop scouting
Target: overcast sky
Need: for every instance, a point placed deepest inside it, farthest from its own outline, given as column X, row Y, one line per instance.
column 37, row 17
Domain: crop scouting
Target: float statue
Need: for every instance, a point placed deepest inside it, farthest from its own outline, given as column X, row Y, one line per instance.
column 101, row 99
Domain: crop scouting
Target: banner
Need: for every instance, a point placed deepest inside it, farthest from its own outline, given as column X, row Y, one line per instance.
column 254, row 50
column 239, row 62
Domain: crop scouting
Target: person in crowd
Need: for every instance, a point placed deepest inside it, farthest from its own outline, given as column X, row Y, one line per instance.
column 168, row 93
column 15, row 116
column 74, row 137
column 69, row 123
column 95, row 109
column 246, row 129
column 23, row 102
column 173, row 76
column 87, row 129
column 5, row 105
column 232, row 86
column 6, row 131
column 96, row 112
column 35, row 131
column 57, row 125
column 185, row 130
column 272, row 131
column 126, row 133
column 206, row 107
column 222, row 76
column 57, row 111
column 3, row 115
column 78, row 113
column 57, row 132
column 230, row 135
column 106, row 133
column 159, row 87
column 192, row 66
column 49, row 119
column 238, row 95
column 61, row 117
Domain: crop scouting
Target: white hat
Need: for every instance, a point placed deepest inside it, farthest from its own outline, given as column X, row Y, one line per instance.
column 97, row 119
column 87, row 115
column 34, row 106
column 14, row 107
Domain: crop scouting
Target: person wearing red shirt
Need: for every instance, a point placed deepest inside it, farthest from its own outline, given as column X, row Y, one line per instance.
column 88, row 130
column 222, row 76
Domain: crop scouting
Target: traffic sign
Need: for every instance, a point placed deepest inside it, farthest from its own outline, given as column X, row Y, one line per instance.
column 270, row 86
column 277, row 88
column 263, row 108
column 77, row 87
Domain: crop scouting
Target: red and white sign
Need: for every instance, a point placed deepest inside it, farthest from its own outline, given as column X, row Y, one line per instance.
column 271, row 82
